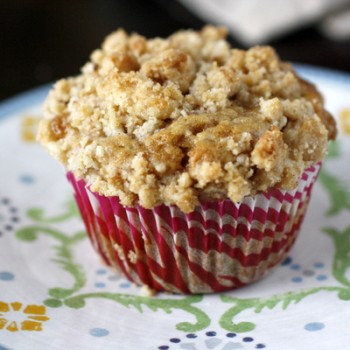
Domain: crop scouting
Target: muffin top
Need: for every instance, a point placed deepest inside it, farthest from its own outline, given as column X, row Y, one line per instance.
column 185, row 119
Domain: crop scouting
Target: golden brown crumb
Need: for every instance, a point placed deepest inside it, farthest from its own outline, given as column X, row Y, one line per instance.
column 184, row 119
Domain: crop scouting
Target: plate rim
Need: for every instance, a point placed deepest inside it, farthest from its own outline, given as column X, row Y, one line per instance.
column 25, row 99
column 17, row 103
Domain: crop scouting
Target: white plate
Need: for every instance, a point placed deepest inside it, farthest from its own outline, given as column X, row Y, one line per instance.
column 56, row 294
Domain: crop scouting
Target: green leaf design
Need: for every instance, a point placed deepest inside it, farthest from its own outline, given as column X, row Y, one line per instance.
column 70, row 297
column 63, row 257
column 26, row 234
column 341, row 260
column 344, row 294
column 338, row 192
column 226, row 320
column 53, row 302
column 333, row 150
column 154, row 304
column 258, row 304
column 38, row 214
column 30, row 233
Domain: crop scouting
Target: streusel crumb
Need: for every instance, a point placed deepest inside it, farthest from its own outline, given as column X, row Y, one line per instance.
column 185, row 119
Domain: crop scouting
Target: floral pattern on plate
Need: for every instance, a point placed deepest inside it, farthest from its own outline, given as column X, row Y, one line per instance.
column 54, row 290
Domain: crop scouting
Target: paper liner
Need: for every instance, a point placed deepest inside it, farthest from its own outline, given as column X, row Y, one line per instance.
column 220, row 246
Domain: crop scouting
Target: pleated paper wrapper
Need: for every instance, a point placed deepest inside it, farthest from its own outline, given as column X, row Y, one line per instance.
column 219, row 246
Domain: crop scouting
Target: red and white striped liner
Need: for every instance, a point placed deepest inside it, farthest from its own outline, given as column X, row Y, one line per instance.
column 220, row 246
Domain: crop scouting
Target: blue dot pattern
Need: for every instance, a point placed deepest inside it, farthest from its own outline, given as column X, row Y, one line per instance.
column 125, row 285
column 3, row 347
column 214, row 339
column 314, row 326
column 6, row 276
column 104, row 278
column 211, row 334
column 287, row 261
column 319, row 265
column 27, row 179
column 307, row 273
column 98, row 332
column 100, row 285
column 247, row 339
column 297, row 279
column 191, row 336
column 8, row 216
column 231, row 335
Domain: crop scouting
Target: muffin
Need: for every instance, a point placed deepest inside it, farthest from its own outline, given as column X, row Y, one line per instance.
column 192, row 162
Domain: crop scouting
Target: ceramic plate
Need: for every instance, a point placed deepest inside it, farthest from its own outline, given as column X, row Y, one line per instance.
column 55, row 293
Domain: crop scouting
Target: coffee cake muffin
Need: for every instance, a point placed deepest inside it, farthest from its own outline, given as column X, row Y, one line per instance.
column 192, row 161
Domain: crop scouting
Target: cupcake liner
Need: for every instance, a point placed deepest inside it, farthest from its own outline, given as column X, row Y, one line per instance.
column 219, row 246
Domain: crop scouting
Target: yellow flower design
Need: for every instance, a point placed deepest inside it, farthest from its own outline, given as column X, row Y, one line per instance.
column 345, row 120
column 15, row 317
column 29, row 125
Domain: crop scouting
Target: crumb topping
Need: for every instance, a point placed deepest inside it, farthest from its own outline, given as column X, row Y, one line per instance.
column 185, row 119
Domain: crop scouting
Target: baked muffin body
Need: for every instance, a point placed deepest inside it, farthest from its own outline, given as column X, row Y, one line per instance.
column 185, row 119
column 192, row 162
